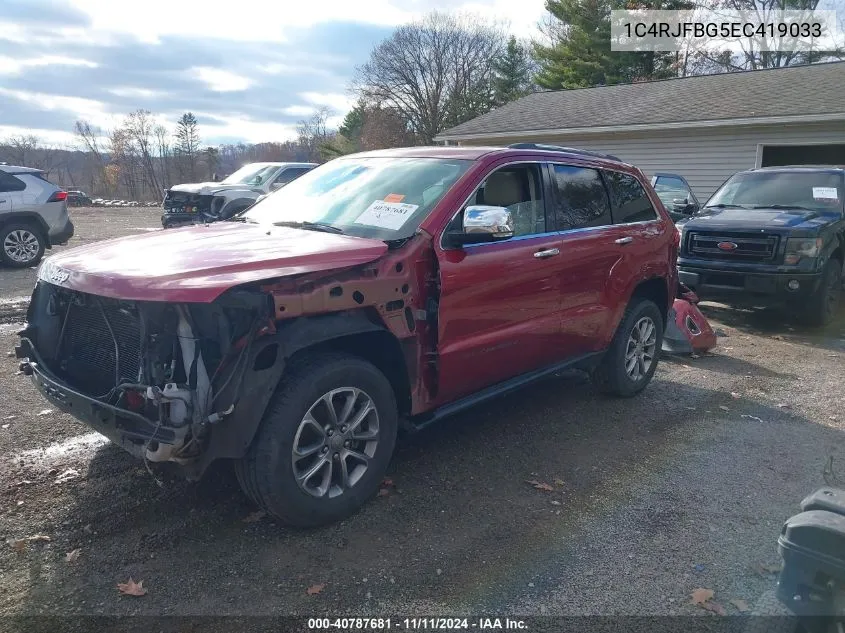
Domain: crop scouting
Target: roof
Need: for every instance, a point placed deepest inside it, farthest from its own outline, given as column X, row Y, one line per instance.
column 794, row 168
column 779, row 95
column 14, row 169
column 438, row 151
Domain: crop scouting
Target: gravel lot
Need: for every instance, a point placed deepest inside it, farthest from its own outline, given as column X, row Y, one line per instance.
column 682, row 487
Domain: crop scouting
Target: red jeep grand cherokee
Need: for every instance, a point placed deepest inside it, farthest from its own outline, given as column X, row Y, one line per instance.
column 380, row 289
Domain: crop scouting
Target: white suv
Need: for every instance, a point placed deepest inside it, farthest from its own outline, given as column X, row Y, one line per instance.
column 33, row 216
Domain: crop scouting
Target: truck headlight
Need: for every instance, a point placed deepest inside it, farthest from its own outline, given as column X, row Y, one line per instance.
column 798, row 247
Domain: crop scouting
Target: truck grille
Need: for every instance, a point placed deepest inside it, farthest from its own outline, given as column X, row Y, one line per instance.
column 744, row 247
column 101, row 343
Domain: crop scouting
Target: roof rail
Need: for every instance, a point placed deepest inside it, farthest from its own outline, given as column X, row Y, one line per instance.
column 558, row 148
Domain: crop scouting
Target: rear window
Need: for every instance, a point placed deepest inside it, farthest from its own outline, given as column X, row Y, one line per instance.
column 631, row 204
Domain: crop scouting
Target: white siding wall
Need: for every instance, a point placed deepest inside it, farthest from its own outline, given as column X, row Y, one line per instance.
column 705, row 157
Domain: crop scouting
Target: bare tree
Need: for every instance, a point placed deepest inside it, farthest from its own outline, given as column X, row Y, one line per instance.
column 435, row 72
column 139, row 126
column 89, row 138
column 314, row 132
column 162, row 137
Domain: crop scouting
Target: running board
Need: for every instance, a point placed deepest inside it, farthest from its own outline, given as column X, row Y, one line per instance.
column 421, row 421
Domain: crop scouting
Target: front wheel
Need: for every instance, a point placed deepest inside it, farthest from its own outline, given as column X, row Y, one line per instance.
column 824, row 305
column 324, row 443
column 631, row 360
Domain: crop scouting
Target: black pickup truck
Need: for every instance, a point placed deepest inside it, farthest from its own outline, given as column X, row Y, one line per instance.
column 774, row 235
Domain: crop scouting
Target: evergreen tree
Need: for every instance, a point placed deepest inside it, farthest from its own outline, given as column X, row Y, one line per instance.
column 187, row 145
column 511, row 73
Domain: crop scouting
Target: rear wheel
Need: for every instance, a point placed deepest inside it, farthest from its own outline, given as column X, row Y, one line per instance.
column 824, row 305
column 631, row 360
column 325, row 441
column 21, row 245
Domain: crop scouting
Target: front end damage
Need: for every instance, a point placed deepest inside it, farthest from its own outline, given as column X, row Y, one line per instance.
column 183, row 207
column 189, row 382
column 154, row 378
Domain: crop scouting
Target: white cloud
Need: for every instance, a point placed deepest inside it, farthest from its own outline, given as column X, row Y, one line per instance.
column 51, row 138
column 11, row 66
column 299, row 110
column 249, row 130
column 89, row 109
column 336, row 101
column 131, row 92
column 220, row 80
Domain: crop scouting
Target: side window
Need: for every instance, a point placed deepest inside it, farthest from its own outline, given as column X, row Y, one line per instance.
column 631, row 204
column 10, row 183
column 519, row 188
column 671, row 188
column 580, row 198
column 289, row 175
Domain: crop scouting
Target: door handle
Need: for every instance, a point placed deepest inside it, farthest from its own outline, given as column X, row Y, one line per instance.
column 624, row 240
column 551, row 252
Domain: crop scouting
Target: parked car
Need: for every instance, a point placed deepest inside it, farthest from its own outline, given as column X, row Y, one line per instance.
column 97, row 202
column 775, row 236
column 33, row 216
column 676, row 195
column 76, row 198
column 211, row 201
column 379, row 290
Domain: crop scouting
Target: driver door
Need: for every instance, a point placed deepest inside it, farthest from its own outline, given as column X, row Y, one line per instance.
column 499, row 311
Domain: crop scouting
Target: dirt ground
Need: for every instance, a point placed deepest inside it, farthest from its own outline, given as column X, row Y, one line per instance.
column 683, row 487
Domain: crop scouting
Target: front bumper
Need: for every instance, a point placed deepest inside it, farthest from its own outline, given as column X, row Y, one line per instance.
column 62, row 235
column 127, row 429
column 179, row 219
column 761, row 286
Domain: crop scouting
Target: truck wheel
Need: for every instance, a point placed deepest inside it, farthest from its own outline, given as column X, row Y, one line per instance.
column 770, row 615
column 21, row 245
column 324, row 443
column 824, row 305
column 631, row 360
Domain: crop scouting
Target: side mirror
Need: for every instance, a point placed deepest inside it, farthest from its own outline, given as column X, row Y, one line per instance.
column 482, row 224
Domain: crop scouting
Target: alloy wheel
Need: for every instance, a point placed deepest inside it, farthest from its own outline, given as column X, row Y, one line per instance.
column 21, row 246
column 335, row 442
column 641, row 348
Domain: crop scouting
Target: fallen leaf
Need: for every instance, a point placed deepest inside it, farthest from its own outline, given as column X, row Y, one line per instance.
column 723, row 407
column 741, row 605
column 715, row 607
column 387, row 482
column 132, row 588
column 777, row 337
column 539, row 485
column 560, row 482
column 45, row 412
column 70, row 473
column 73, row 555
column 735, row 395
column 751, row 417
column 555, row 503
column 254, row 517
column 694, row 356
column 784, row 405
column 383, row 492
column 700, row 596
column 313, row 590
column 18, row 545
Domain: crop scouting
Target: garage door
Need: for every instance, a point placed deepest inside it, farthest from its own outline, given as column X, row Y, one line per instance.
column 775, row 155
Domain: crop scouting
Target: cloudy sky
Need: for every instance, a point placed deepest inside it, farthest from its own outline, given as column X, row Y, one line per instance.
column 248, row 69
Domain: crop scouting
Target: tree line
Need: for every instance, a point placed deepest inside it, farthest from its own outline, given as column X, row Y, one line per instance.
column 427, row 76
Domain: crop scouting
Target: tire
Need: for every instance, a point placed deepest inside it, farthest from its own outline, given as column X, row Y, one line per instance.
column 824, row 305
column 267, row 472
column 770, row 615
column 611, row 376
column 21, row 244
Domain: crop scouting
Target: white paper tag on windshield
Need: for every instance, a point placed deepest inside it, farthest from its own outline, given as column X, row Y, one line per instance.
column 825, row 193
column 387, row 215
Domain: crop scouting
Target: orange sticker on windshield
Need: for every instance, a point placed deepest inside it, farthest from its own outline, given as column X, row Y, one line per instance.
column 394, row 197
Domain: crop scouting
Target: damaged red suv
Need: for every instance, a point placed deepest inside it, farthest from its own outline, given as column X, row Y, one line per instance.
column 379, row 291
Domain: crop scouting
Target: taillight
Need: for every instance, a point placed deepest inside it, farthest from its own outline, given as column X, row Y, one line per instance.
column 58, row 196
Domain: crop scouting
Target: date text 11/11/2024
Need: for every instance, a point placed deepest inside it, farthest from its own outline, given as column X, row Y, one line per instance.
column 416, row 624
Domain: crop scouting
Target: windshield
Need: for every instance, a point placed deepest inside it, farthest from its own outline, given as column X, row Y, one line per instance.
column 817, row 191
column 381, row 198
column 256, row 174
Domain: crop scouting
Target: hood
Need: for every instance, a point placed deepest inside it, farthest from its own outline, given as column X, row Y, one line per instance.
column 199, row 263
column 208, row 188
column 741, row 219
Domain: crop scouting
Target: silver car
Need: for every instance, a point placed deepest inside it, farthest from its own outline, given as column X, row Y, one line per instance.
column 33, row 216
